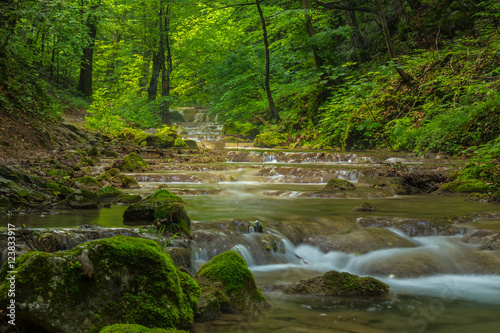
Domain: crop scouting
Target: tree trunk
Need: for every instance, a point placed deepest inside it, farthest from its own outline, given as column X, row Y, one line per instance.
column 153, row 83
column 357, row 39
column 274, row 111
column 406, row 78
column 398, row 6
column 311, row 33
column 86, row 67
column 165, row 108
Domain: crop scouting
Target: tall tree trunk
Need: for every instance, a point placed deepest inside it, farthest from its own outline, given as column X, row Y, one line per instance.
column 405, row 76
column 86, row 66
column 153, row 83
column 311, row 33
column 398, row 6
column 165, row 108
column 357, row 39
column 274, row 111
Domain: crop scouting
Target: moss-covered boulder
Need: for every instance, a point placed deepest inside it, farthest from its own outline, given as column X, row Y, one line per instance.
column 87, row 183
column 127, row 198
column 109, row 153
column 339, row 184
column 191, row 144
column 162, row 207
column 166, row 137
column 365, row 207
column 109, row 281
column 19, row 193
column 58, row 189
column 227, row 285
column 132, row 162
column 334, row 283
column 269, row 140
column 83, row 199
column 133, row 328
column 108, row 193
column 128, row 181
column 240, row 130
column 93, row 152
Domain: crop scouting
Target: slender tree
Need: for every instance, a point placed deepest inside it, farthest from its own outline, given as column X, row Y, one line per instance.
column 86, row 67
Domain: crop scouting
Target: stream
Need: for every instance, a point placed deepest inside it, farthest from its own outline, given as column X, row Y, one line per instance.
column 438, row 282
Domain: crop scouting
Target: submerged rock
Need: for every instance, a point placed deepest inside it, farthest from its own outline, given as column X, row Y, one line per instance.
column 114, row 280
column 411, row 226
column 83, row 199
column 163, row 207
column 334, row 283
column 365, row 207
column 227, row 285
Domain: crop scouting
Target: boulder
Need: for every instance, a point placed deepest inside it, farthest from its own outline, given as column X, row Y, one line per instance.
column 339, row 184
column 109, row 281
column 334, row 283
column 162, row 207
column 365, row 207
column 227, row 285
column 131, row 162
column 83, row 199
column 87, row 183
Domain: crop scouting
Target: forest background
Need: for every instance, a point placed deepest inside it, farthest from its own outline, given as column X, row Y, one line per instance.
column 414, row 75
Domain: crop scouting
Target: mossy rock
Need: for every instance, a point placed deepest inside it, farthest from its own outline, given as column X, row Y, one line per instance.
column 132, row 162
column 127, row 198
column 87, row 161
column 163, row 208
column 58, row 173
column 109, row 153
column 17, row 176
column 19, row 193
column 165, row 137
column 365, row 207
column 109, row 281
column 334, row 283
column 57, row 188
column 93, row 152
column 48, row 242
column 191, row 144
column 339, row 184
column 270, row 140
column 108, row 192
column 179, row 143
column 87, row 183
column 132, row 328
column 229, row 273
column 113, row 172
column 83, row 199
column 4, row 205
column 466, row 186
column 128, row 182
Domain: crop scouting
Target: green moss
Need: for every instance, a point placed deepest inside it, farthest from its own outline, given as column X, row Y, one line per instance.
column 87, row 183
column 238, row 129
column 129, row 182
column 127, row 198
column 131, row 328
column 109, row 153
column 132, row 162
column 118, row 279
column 22, row 193
column 57, row 188
column 113, row 172
column 83, row 199
column 167, row 137
column 179, row 143
column 339, row 184
column 109, row 192
column 230, row 269
column 165, row 194
column 87, row 161
column 269, row 140
column 93, row 152
column 466, row 186
column 59, row 173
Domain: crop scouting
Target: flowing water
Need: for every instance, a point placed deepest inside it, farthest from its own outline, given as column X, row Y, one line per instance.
column 439, row 283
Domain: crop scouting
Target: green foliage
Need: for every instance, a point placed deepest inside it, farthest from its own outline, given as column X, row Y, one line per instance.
column 270, row 139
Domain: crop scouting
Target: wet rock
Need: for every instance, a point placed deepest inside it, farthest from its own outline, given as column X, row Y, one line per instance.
column 87, row 183
column 162, row 207
column 411, row 226
column 334, row 283
column 132, row 162
column 339, row 184
column 4, row 205
column 109, row 153
column 180, row 255
column 132, row 328
column 484, row 197
column 128, row 284
column 366, row 207
column 191, row 144
column 108, row 193
column 486, row 239
column 360, row 241
column 48, row 242
column 82, row 199
column 128, row 181
column 19, row 194
column 227, row 277
column 127, row 198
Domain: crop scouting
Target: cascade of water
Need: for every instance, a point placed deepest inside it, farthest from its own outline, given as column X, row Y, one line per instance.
column 245, row 253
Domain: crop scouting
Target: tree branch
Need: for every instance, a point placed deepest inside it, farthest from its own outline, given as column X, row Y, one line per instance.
column 334, row 5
